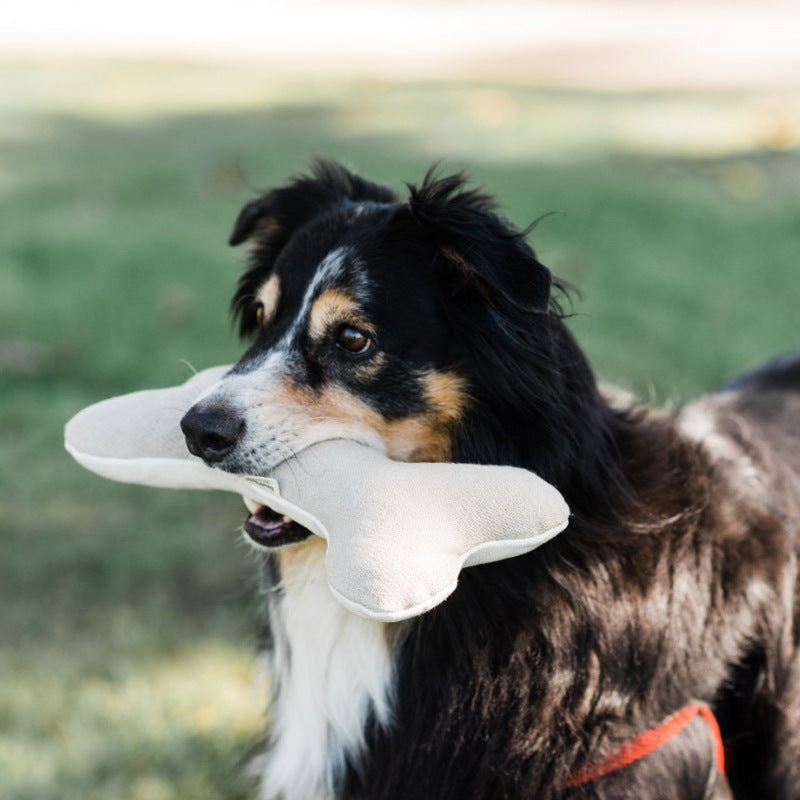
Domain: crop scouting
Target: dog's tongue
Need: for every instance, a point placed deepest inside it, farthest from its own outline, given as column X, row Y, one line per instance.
column 269, row 520
column 271, row 529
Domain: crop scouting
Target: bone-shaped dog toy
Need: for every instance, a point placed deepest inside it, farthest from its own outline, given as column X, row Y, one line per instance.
column 398, row 534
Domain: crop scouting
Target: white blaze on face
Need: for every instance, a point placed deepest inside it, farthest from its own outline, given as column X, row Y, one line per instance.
column 331, row 268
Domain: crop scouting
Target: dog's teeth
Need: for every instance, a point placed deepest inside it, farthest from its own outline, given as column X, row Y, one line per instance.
column 252, row 506
column 285, row 519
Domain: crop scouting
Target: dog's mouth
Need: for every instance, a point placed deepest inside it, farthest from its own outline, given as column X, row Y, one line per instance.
column 268, row 528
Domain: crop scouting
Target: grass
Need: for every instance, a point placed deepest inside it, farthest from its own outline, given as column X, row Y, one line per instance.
column 127, row 614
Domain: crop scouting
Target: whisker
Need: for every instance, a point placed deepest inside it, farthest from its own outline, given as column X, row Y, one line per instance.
column 188, row 364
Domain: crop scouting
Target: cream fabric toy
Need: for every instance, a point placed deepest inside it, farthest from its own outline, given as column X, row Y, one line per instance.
column 398, row 534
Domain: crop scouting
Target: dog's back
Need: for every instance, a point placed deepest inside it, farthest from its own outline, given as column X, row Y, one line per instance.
column 751, row 428
column 759, row 411
column 768, row 398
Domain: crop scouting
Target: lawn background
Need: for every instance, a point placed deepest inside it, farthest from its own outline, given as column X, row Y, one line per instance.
column 127, row 615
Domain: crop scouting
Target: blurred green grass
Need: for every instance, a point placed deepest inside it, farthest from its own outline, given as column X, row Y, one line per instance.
column 127, row 614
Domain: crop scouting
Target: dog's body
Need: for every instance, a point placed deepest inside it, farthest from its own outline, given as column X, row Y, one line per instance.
column 427, row 328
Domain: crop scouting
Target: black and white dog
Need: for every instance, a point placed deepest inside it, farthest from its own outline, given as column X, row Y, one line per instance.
column 426, row 327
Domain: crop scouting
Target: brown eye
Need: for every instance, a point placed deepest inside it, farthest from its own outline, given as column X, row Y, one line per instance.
column 259, row 308
column 353, row 340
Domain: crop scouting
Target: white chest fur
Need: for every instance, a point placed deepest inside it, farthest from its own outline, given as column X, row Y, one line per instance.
column 330, row 670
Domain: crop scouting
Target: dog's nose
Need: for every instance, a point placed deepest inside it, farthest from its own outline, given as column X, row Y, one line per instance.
column 211, row 433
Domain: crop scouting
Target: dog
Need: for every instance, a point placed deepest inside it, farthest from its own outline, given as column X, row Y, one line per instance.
column 425, row 326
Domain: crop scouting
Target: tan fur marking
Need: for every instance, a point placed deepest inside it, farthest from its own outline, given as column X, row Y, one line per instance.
column 447, row 394
column 331, row 307
column 294, row 557
column 416, row 439
column 421, row 437
column 268, row 295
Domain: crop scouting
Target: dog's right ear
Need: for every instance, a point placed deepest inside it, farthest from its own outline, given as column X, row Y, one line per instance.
column 277, row 215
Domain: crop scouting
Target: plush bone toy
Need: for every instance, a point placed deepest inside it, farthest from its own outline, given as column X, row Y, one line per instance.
column 398, row 534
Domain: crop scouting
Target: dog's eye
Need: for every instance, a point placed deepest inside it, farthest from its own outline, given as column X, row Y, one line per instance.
column 353, row 341
column 259, row 309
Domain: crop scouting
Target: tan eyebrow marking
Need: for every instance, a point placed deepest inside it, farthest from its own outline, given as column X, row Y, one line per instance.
column 268, row 295
column 330, row 307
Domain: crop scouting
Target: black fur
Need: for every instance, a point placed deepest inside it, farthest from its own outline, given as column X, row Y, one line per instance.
column 676, row 580
column 485, row 252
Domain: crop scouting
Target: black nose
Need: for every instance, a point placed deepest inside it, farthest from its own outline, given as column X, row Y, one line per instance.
column 211, row 433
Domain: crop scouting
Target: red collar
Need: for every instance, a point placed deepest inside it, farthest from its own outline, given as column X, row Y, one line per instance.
column 649, row 741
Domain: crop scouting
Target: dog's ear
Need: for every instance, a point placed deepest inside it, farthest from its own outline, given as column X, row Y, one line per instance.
column 289, row 207
column 272, row 219
column 478, row 246
column 257, row 212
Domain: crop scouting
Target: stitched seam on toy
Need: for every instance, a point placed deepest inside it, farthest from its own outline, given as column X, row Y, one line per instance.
column 270, row 484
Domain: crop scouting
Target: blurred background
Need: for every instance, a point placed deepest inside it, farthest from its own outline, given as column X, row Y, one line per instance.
column 666, row 132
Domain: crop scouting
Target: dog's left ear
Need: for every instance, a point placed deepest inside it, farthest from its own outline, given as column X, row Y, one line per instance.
column 480, row 246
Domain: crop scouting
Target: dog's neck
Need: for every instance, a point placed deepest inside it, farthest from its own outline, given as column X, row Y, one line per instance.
column 536, row 405
column 584, row 460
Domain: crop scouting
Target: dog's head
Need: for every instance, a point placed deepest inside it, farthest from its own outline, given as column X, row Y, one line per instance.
column 367, row 317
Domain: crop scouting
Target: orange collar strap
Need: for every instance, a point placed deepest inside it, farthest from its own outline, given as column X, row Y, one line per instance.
column 649, row 741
